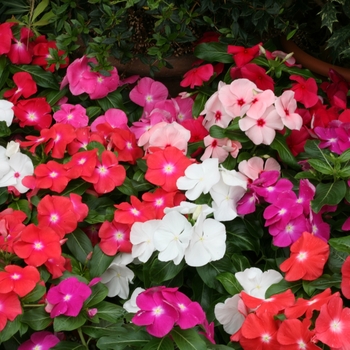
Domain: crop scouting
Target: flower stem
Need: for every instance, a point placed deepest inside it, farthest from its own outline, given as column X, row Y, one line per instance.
column 81, row 335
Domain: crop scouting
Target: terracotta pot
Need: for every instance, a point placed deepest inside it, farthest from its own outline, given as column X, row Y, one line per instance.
column 312, row 63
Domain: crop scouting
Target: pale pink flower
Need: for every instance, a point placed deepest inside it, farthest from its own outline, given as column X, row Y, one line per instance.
column 214, row 111
column 74, row 115
column 115, row 117
column 215, row 149
column 285, row 107
column 261, row 101
column 237, row 97
column 232, row 147
column 147, row 92
column 262, row 129
column 255, row 165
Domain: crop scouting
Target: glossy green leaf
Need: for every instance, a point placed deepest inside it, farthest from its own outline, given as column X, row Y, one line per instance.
column 110, row 312
column 164, row 343
column 188, row 339
column 37, row 318
column 99, row 293
column 229, row 282
column 10, row 329
column 79, row 244
column 279, row 144
column 282, row 286
column 121, row 341
column 162, row 271
column 341, row 244
column 68, row 323
column 321, row 166
column 99, row 262
column 328, row 194
column 213, row 52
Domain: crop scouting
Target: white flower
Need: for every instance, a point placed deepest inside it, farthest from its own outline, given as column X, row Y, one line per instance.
column 207, row 242
column 142, row 239
column 130, row 305
column 172, row 237
column 20, row 166
column 199, row 178
column 118, row 276
column 256, row 282
column 4, row 163
column 231, row 314
column 233, row 178
column 225, row 198
column 191, row 208
column 12, row 148
column 6, row 112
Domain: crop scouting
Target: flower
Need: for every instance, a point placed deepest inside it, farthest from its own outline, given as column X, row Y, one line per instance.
column 67, row 297
column 42, row 340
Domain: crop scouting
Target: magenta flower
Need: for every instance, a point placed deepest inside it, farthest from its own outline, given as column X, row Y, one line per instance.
column 67, row 298
column 74, row 115
column 155, row 313
column 40, row 340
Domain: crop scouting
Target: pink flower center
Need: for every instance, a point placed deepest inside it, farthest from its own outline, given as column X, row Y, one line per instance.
column 260, row 122
column 301, row 344
column 102, row 170
column 129, row 145
column 38, row 246
column 81, row 161
column 54, row 218
column 17, row 174
column 336, row 326
column 157, row 311
column 67, row 297
column 302, row 256
column 266, row 338
column 135, row 212
column 53, row 174
column 16, row 276
column 159, row 202
column 31, row 116
column 168, row 168
column 214, row 143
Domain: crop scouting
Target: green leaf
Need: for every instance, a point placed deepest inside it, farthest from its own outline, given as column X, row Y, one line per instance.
column 240, row 262
column 53, row 96
column 217, row 132
column 110, row 312
column 162, row 271
column 322, row 283
column 37, row 318
column 99, row 293
column 103, row 329
column 199, row 103
column 4, row 193
column 279, row 144
column 76, row 186
column 68, row 323
column 35, row 295
column 99, row 262
column 43, row 78
column 328, row 194
column 229, row 282
column 4, row 129
column 93, row 111
column 112, row 100
column 188, row 339
column 22, row 205
column 281, row 287
column 40, row 9
column 345, row 156
column 213, row 52
column 121, row 341
column 321, row 166
column 341, row 244
column 79, row 244
column 159, row 344
column 313, row 151
column 67, row 345
column 127, row 188
column 10, row 329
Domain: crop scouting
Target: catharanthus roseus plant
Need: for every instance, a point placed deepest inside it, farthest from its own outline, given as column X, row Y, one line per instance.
column 132, row 219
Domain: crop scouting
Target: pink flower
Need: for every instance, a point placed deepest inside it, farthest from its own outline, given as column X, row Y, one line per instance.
column 196, row 76
column 262, row 129
column 147, row 92
column 255, row 165
column 115, row 117
column 5, row 37
column 285, row 107
column 40, row 340
column 67, row 298
column 74, row 115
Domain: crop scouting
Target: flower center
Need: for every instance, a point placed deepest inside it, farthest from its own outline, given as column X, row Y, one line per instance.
column 168, row 168
column 38, row 246
column 17, row 175
column 54, row 218
column 302, row 256
column 15, row 276
column 157, row 311
column 260, row 122
column 67, row 297
column 265, row 338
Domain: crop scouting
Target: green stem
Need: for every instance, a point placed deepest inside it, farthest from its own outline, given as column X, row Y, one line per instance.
column 81, row 335
column 32, row 305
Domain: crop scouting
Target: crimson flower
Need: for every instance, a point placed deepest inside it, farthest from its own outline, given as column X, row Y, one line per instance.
column 305, row 90
column 6, row 37
column 10, row 308
column 308, row 257
column 165, row 166
column 82, row 164
column 243, row 55
column 33, row 112
column 257, row 75
column 345, row 281
column 25, row 86
column 21, row 280
column 56, row 266
column 36, row 245
column 21, row 52
column 57, row 212
column 108, row 173
column 333, row 324
column 196, row 76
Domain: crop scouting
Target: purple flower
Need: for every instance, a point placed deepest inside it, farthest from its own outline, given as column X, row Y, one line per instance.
column 67, row 298
column 40, row 340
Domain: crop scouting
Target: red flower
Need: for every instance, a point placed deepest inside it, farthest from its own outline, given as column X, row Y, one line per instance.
column 81, row 210
column 137, row 211
column 303, row 306
column 124, row 142
column 195, row 126
column 56, row 266
column 259, row 332
column 57, row 212
column 82, row 138
column 21, row 280
column 243, row 55
column 345, row 281
column 82, row 164
column 59, row 136
column 25, row 86
column 6, row 37
column 297, row 139
column 308, row 257
column 257, row 75
column 51, row 175
column 108, row 174
column 36, row 245
column 115, row 237
column 333, row 324
column 294, row 335
column 165, row 167
column 33, row 112
column 274, row 304
column 196, row 76
column 10, row 308
column 21, row 51
column 305, row 90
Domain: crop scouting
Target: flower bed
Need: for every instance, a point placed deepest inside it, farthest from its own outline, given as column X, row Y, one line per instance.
column 216, row 219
